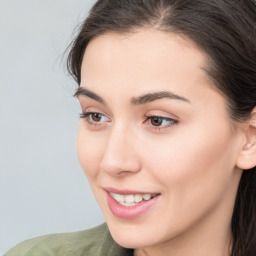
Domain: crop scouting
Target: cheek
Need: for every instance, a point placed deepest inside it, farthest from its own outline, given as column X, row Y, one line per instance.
column 192, row 162
column 193, row 172
column 89, row 149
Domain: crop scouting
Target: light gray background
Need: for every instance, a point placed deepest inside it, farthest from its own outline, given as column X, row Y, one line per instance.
column 42, row 187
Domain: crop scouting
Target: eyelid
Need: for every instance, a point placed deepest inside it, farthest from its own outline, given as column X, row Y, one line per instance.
column 162, row 113
column 87, row 115
column 166, row 120
column 172, row 121
column 87, row 109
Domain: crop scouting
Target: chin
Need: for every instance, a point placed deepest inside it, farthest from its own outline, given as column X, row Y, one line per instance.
column 131, row 241
column 131, row 235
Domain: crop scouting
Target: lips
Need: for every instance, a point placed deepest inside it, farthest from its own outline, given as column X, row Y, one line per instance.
column 130, row 205
column 131, row 199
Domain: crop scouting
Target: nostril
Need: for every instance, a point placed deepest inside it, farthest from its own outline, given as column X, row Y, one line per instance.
column 120, row 168
column 118, row 172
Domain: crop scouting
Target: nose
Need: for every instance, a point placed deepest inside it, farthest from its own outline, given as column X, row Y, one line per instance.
column 120, row 157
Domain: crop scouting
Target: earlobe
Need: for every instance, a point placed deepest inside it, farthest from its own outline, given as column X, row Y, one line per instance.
column 247, row 156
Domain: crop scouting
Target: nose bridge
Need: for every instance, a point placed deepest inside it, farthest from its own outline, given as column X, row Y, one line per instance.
column 120, row 155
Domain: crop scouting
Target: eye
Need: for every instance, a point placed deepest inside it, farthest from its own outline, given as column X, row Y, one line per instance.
column 160, row 122
column 94, row 118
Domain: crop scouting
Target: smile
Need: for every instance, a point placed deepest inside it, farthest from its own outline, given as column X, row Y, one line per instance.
column 130, row 200
column 130, row 205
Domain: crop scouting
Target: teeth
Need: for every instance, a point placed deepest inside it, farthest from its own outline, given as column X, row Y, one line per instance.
column 138, row 198
column 127, row 204
column 118, row 197
column 146, row 197
column 129, row 200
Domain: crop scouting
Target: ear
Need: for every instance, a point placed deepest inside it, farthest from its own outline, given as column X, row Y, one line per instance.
column 247, row 157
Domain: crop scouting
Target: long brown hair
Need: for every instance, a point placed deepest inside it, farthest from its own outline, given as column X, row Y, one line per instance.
column 226, row 31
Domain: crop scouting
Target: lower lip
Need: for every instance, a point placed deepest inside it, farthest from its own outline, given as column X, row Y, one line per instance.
column 129, row 212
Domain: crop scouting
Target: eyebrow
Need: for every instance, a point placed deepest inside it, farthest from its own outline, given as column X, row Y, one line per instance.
column 149, row 97
column 146, row 98
column 81, row 91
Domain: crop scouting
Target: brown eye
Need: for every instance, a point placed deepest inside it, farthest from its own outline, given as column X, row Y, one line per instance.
column 160, row 122
column 156, row 121
column 96, row 117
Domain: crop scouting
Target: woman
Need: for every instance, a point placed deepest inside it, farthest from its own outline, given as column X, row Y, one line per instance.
column 167, row 136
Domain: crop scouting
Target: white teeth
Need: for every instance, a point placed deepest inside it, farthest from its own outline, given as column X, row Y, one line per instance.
column 138, row 198
column 118, row 197
column 127, row 204
column 129, row 200
column 146, row 196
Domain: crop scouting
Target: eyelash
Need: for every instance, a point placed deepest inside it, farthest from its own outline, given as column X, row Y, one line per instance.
column 88, row 117
column 172, row 122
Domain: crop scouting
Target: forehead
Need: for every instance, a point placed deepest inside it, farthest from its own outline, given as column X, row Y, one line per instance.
column 142, row 61
column 144, row 45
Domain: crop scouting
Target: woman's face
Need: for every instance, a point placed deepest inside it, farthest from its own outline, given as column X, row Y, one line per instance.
column 156, row 142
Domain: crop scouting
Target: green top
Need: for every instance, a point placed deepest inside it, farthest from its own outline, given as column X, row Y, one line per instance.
column 93, row 242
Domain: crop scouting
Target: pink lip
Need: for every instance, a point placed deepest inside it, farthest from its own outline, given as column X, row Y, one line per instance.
column 126, row 192
column 129, row 212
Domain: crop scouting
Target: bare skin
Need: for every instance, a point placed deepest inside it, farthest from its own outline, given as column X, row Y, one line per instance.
column 180, row 144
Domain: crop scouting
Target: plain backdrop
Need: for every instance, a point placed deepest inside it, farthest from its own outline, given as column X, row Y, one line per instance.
column 42, row 187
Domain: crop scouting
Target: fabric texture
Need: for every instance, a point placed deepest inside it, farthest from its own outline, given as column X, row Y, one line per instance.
column 92, row 242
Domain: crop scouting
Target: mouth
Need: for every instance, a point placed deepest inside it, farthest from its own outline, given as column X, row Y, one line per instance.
column 131, row 199
column 130, row 205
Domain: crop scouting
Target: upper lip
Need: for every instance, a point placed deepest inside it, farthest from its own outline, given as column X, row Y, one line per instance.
column 127, row 192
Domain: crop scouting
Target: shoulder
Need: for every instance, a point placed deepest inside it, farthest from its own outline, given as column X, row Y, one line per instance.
column 92, row 242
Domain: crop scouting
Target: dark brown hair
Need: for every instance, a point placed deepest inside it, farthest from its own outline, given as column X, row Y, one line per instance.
column 226, row 31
